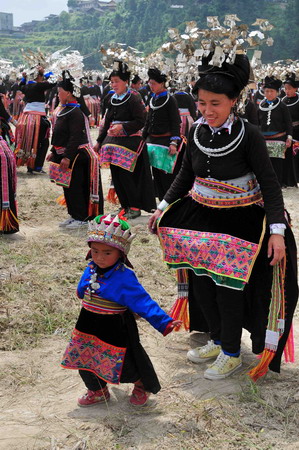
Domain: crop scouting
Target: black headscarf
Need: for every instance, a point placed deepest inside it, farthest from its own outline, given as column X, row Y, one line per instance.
column 291, row 80
column 234, row 77
column 120, row 69
column 272, row 83
column 67, row 81
column 155, row 74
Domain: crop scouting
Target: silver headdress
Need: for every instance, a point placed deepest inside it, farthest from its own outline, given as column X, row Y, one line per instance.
column 110, row 230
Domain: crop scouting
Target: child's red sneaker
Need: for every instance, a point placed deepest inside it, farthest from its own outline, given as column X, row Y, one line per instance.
column 94, row 397
column 139, row 396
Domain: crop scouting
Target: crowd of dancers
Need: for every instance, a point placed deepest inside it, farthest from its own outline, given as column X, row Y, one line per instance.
column 216, row 169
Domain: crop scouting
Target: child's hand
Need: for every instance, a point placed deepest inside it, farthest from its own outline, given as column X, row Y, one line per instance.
column 171, row 325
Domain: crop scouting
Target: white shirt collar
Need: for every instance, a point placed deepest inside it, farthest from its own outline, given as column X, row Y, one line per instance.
column 227, row 124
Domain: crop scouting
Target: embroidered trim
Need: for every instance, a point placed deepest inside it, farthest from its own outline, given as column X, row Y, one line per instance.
column 87, row 352
column 120, row 156
column 228, row 260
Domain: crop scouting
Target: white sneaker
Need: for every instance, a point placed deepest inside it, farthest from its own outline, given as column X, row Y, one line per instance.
column 223, row 367
column 200, row 354
column 74, row 224
column 66, row 222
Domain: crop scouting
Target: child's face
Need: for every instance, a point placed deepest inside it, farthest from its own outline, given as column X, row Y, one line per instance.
column 104, row 255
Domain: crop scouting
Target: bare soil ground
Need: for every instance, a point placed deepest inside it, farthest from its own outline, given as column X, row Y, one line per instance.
column 39, row 271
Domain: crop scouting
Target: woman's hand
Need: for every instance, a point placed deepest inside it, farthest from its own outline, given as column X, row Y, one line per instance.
column 115, row 130
column 49, row 157
column 171, row 326
column 172, row 149
column 152, row 223
column 276, row 248
column 288, row 143
column 64, row 164
column 97, row 147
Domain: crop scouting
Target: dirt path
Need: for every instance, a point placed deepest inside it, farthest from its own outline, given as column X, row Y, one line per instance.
column 38, row 398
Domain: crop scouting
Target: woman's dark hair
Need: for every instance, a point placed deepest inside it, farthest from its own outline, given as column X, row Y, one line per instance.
column 219, row 84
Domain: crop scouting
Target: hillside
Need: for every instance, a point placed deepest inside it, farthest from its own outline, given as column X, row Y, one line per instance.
column 143, row 24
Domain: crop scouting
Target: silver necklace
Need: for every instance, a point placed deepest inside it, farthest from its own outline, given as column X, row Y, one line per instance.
column 160, row 106
column 270, row 107
column 69, row 111
column 118, row 104
column 269, row 110
column 222, row 151
column 291, row 104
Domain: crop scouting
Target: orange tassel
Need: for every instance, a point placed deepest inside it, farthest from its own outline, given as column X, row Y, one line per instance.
column 8, row 221
column 61, row 200
column 180, row 311
column 112, row 197
column 263, row 366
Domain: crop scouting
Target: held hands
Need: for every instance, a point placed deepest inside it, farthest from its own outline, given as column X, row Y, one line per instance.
column 97, row 147
column 276, row 248
column 49, row 157
column 172, row 149
column 64, row 164
column 288, row 143
column 115, row 130
column 152, row 223
column 171, row 326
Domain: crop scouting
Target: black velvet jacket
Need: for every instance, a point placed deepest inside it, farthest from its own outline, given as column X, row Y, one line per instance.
column 293, row 108
column 131, row 111
column 281, row 120
column 250, row 156
column 35, row 92
column 163, row 120
column 70, row 131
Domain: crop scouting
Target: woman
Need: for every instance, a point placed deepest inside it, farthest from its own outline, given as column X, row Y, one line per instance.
column 292, row 101
column 276, row 126
column 8, row 183
column 33, row 127
column 162, row 133
column 187, row 110
column 121, row 145
column 220, row 231
column 75, row 157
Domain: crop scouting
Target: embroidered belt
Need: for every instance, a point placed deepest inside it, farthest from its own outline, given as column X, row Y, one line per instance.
column 275, row 135
column 184, row 112
column 99, row 305
column 242, row 191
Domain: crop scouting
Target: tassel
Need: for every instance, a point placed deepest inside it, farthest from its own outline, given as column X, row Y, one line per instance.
column 112, row 197
column 61, row 200
column 289, row 350
column 180, row 310
column 263, row 366
column 275, row 322
column 8, row 221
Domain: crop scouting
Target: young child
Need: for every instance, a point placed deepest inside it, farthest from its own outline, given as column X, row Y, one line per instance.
column 105, row 345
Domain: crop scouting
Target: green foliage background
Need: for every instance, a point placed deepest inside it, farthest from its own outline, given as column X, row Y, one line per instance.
column 143, row 24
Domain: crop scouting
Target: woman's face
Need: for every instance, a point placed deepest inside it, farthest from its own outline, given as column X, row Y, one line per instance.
column 290, row 90
column 270, row 94
column 156, row 87
column 118, row 85
column 63, row 96
column 215, row 108
column 104, row 255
